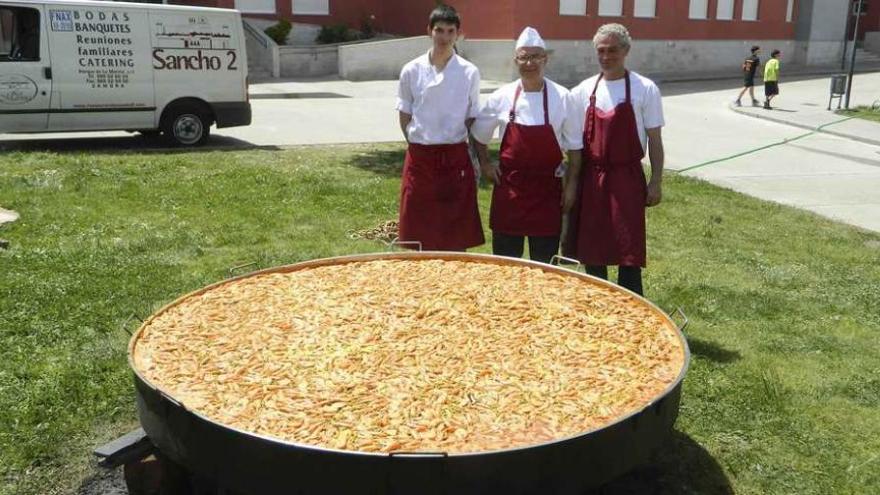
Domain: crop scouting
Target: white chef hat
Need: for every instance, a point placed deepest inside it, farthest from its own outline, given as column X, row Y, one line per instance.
column 529, row 38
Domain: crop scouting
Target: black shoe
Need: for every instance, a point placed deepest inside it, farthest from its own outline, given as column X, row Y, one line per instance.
column 767, row 106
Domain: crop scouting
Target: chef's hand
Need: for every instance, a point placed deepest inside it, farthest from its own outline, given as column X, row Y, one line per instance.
column 655, row 193
column 490, row 172
column 569, row 196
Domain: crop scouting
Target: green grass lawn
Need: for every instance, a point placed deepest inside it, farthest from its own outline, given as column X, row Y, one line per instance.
column 862, row 112
column 783, row 393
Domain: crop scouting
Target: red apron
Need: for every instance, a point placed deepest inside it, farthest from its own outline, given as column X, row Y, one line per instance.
column 607, row 225
column 438, row 198
column 527, row 199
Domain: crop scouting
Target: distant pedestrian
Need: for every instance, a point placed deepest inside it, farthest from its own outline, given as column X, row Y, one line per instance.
column 771, row 78
column 749, row 68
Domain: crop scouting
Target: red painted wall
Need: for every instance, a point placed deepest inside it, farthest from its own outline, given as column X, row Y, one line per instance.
column 504, row 19
column 671, row 22
column 224, row 4
column 869, row 21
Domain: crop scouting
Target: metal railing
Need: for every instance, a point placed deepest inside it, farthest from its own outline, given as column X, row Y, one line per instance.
column 260, row 37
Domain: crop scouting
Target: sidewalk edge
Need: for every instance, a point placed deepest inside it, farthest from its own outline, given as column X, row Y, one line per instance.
column 771, row 118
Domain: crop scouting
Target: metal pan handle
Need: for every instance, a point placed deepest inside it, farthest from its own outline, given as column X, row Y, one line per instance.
column 399, row 243
column 128, row 319
column 417, row 454
column 174, row 402
column 231, row 271
column 685, row 320
column 571, row 261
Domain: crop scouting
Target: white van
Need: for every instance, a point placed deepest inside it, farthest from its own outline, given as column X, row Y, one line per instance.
column 82, row 65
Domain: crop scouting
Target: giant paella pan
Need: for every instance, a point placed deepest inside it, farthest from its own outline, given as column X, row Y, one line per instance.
column 409, row 373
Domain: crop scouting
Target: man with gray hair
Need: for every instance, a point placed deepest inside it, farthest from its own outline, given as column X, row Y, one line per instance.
column 606, row 193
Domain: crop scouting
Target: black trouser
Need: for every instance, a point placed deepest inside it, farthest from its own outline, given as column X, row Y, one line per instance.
column 540, row 248
column 629, row 277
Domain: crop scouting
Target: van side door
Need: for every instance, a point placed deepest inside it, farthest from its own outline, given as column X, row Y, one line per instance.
column 25, row 69
column 104, row 76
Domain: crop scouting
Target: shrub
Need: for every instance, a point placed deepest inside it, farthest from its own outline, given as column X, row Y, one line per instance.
column 336, row 33
column 279, row 32
column 367, row 28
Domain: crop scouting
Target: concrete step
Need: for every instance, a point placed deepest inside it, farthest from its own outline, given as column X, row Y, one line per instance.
column 259, row 75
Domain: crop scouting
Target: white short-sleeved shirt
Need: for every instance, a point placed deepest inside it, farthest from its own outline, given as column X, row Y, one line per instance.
column 495, row 114
column 439, row 102
column 644, row 95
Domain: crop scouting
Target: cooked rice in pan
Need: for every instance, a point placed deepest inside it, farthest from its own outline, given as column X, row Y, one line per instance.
column 411, row 355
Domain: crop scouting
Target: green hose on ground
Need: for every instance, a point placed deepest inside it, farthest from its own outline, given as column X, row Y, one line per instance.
column 747, row 152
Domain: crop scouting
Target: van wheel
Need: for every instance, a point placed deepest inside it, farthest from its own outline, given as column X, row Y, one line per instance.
column 187, row 125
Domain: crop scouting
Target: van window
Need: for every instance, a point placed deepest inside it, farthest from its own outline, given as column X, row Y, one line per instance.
column 19, row 34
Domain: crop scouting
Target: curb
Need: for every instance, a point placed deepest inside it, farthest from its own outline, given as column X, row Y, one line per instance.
column 293, row 95
column 796, row 73
column 874, row 142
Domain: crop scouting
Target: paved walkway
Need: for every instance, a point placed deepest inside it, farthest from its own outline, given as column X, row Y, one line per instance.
column 777, row 154
column 803, row 105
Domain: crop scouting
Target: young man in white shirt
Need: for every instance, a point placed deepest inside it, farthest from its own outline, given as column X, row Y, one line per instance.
column 438, row 98
column 532, row 117
column 607, row 193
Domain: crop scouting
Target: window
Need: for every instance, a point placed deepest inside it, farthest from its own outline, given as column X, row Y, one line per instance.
column 19, row 34
column 572, row 7
column 611, row 7
column 750, row 10
column 698, row 9
column 789, row 11
column 645, row 8
column 311, row 7
column 724, row 10
column 256, row 6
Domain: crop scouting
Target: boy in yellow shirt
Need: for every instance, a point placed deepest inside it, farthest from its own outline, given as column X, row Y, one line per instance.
column 771, row 78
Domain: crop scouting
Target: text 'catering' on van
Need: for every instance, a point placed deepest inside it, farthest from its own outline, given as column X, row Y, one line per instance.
column 92, row 65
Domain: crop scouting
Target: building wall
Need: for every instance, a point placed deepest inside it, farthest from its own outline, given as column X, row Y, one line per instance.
column 872, row 41
column 570, row 61
column 871, row 20
column 504, row 19
column 308, row 61
column 820, row 31
column 670, row 22
column 223, row 4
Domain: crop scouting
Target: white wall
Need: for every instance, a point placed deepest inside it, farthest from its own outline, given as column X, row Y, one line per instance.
column 308, row 61
column 571, row 61
column 493, row 57
column 261, row 49
column 379, row 59
column 872, row 41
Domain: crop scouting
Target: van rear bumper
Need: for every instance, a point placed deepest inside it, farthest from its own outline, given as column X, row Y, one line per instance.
column 231, row 114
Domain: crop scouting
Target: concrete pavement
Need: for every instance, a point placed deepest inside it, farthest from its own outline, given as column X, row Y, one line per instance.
column 785, row 160
column 801, row 104
column 835, row 172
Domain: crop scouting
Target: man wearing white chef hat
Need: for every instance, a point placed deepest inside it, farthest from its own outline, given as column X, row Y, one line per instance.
column 531, row 115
